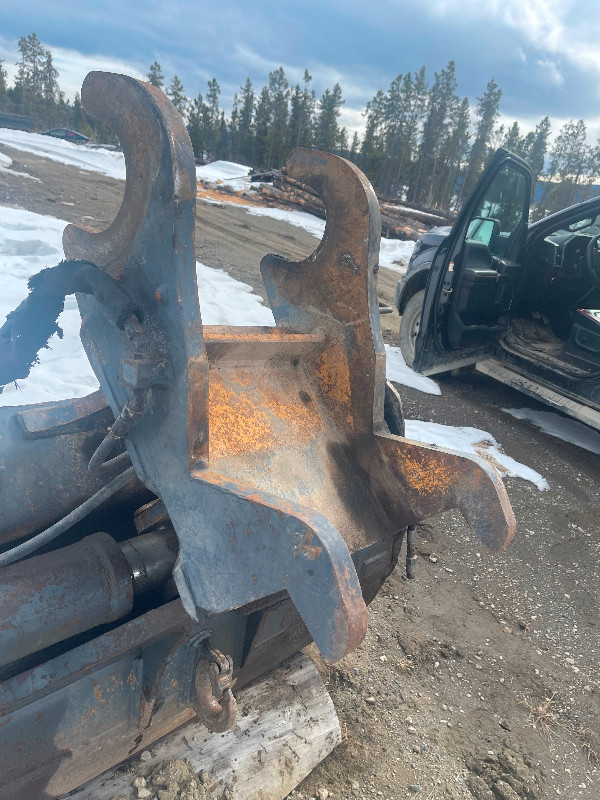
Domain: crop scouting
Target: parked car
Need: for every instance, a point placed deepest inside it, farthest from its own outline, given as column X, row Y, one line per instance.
column 17, row 122
column 68, row 134
column 521, row 302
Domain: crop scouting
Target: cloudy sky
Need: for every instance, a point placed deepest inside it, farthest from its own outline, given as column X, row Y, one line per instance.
column 545, row 54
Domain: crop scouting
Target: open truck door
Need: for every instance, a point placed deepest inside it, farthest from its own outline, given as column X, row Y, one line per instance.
column 476, row 271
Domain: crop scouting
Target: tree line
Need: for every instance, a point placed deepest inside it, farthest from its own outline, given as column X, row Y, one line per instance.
column 422, row 142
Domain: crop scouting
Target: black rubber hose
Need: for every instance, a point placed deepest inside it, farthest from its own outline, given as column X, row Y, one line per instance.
column 54, row 531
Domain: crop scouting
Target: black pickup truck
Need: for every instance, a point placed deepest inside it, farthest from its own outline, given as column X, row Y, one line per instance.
column 520, row 302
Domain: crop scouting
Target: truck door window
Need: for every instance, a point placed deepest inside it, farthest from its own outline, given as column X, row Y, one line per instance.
column 504, row 205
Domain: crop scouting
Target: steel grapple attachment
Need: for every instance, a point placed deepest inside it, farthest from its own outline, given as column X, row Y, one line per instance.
column 266, row 456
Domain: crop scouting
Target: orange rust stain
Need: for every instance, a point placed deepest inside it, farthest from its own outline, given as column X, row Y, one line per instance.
column 248, row 422
column 237, row 425
column 302, row 419
column 97, row 691
column 427, row 475
column 263, row 334
column 333, row 375
column 212, row 194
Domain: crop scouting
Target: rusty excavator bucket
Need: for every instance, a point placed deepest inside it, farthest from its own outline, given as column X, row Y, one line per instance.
column 256, row 490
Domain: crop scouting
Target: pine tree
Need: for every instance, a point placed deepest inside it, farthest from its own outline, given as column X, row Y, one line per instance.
column 372, row 151
column 400, row 114
column 416, row 95
column 327, row 125
column 342, row 142
column 29, row 76
column 155, row 75
column 441, row 104
column 454, row 151
column 279, row 93
column 246, row 115
column 513, row 140
column 571, row 168
column 3, row 77
column 195, row 126
column 212, row 117
column 354, row 148
column 78, row 119
column 5, row 103
column 262, row 129
column 222, row 145
column 303, row 101
column 176, row 95
column 234, row 127
column 488, row 112
column 535, row 149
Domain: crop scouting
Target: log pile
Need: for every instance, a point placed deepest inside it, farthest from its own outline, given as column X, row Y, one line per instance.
column 397, row 221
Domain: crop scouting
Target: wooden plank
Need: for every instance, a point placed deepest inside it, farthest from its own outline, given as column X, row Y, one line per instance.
column 286, row 726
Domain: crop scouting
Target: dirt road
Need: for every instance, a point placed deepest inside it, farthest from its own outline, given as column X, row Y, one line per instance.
column 480, row 678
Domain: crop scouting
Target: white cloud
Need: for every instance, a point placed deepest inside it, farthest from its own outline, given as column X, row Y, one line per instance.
column 549, row 72
column 72, row 65
column 559, row 28
column 326, row 75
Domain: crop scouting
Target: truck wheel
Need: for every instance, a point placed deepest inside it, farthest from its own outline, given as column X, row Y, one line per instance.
column 409, row 326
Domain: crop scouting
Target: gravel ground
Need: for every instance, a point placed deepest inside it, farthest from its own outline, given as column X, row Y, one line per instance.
column 479, row 678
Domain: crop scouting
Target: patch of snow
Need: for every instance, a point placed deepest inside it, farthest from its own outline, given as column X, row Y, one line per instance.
column 395, row 254
column 569, row 430
column 475, row 442
column 94, row 159
column 5, row 161
column 227, row 301
column 300, row 219
column 28, row 243
column 228, row 172
column 398, row 371
column 19, row 174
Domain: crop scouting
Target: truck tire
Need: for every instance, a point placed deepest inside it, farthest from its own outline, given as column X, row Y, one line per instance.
column 409, row 326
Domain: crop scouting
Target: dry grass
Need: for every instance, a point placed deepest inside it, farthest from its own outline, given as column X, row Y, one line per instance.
column 586, row 744
column 405, row 664
column 542, row 716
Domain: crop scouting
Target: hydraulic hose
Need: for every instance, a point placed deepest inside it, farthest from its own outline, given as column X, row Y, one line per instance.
column 79, row 513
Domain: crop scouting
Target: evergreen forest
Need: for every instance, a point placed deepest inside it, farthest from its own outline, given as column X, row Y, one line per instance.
column 422, row 143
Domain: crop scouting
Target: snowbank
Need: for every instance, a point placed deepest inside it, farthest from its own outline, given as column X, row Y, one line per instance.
column 93, row 159
column 227, row 172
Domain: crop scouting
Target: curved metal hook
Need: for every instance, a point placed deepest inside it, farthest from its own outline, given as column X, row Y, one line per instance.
column 215, row 704
column 335, row 288
column 158, row 158
column 339, row 278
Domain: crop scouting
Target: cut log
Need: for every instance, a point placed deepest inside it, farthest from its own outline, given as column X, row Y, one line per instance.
column 287, row 727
